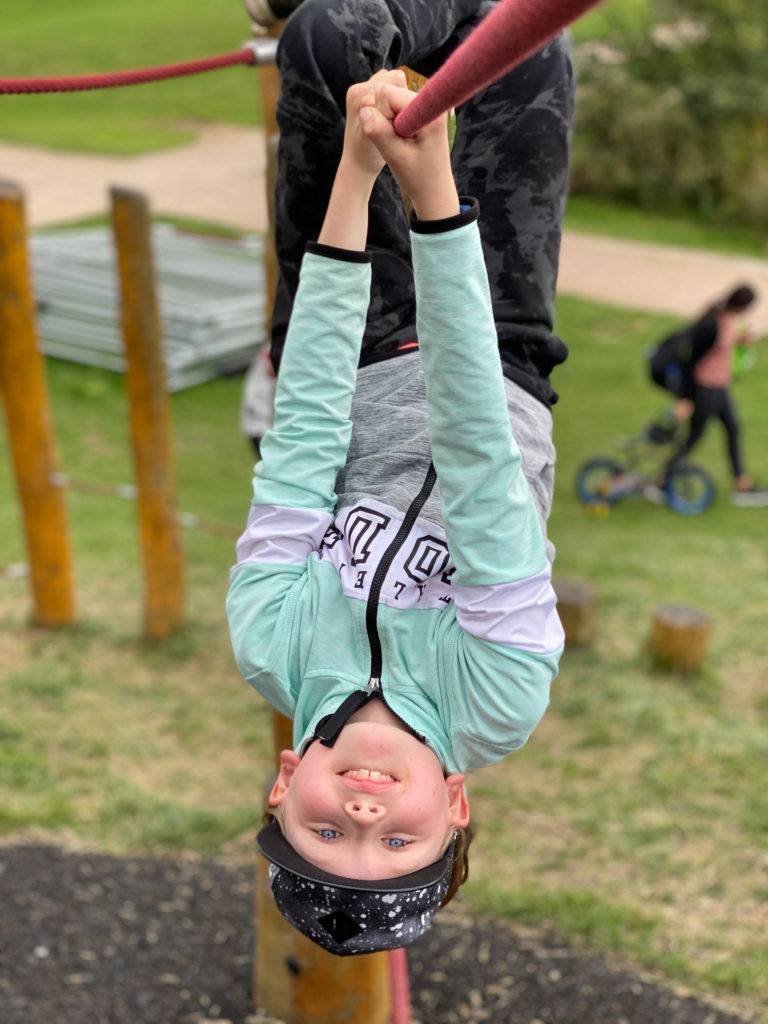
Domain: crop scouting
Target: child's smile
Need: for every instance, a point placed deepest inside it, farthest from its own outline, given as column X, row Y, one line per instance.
column 374, row 805
column 367, row 780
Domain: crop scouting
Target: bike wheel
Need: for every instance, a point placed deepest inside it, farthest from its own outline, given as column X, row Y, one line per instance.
column 594, row 481
column 689, row 490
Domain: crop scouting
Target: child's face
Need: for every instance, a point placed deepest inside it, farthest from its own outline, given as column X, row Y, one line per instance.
column 375, row 805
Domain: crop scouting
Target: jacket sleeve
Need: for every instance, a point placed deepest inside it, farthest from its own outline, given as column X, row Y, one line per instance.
column 505, row 603
column 293, row 484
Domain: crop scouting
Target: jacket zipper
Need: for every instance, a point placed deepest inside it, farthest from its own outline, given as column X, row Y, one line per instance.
column 372, row 605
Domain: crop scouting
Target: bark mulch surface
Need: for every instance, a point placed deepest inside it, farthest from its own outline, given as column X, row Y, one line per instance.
column 94, row 939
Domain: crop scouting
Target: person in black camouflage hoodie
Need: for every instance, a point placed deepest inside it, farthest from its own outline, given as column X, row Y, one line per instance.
column 510, row 149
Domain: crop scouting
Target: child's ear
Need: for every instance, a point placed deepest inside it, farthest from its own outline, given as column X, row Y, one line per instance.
column 457, row 800
column 289, row 761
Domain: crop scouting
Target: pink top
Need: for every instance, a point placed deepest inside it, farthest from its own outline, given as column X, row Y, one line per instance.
column 713, row 370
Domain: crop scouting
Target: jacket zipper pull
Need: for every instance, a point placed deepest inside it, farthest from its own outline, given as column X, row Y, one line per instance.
column 374, row 684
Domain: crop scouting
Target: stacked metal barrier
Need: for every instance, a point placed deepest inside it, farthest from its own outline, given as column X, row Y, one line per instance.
column 211, row 295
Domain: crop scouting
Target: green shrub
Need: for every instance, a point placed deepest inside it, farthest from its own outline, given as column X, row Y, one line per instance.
column 674, row 117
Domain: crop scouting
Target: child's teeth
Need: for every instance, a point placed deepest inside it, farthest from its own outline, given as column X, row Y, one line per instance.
column 368, row 773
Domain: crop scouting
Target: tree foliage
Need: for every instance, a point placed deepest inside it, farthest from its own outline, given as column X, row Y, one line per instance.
column 672, row 112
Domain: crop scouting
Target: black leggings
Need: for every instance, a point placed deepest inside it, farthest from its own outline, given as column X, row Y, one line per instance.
column 709, row 402
column 510, row 152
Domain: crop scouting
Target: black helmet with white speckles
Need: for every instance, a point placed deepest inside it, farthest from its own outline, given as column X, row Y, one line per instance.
column 348, row 916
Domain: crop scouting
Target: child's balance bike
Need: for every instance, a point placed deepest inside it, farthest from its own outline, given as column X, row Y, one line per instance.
column 645, row 465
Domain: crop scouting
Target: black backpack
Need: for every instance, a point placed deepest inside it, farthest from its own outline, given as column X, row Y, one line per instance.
column 666, row 360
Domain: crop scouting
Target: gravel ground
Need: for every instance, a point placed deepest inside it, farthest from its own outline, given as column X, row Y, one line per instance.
column 94, row 939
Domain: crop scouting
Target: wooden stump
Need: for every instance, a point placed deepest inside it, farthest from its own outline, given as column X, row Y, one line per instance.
column 679, row 637
column 577, row 608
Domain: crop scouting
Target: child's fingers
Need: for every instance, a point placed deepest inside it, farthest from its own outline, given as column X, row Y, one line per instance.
column 392, row 98
column 386, row 76
column 374, row 123
column 362, row 91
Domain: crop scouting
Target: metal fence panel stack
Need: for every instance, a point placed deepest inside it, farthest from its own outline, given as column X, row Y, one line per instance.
column 211, row 292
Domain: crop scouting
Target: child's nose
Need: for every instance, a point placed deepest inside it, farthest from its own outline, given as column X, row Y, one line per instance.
column 362, row 811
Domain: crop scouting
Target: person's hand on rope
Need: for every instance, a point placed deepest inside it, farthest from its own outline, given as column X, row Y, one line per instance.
column 358, row 147
column 421, row 164
column 346, row 219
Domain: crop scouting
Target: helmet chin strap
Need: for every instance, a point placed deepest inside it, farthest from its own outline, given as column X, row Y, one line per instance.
column 328, row 728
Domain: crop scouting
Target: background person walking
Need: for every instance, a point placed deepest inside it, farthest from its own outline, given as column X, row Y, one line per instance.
column 706, row 374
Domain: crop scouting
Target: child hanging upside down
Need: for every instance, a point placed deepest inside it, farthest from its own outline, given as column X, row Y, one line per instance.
column 392, row 594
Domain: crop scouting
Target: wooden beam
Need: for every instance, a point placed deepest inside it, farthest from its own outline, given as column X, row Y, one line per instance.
column 300, row 983
column 30, row 431
column 162, row 553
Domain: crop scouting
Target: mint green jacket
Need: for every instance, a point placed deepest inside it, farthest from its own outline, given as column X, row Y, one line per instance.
column 455, row 625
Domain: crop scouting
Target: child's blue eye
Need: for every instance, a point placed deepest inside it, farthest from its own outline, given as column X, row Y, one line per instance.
column 397, row 843
column 327, row 833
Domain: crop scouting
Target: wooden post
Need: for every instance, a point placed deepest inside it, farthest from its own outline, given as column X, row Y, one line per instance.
column 162, row 553
column 577, row 608
column 298, row 981
column 679, row 637
column 30, row 431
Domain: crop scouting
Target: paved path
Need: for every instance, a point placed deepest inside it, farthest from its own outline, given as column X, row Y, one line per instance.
column 217, row 178
column 663, row 279
column 220, row 178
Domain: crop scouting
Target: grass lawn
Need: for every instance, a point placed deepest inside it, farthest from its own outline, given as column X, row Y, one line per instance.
column 602, row 217
column 58, row 37
column 636, row 818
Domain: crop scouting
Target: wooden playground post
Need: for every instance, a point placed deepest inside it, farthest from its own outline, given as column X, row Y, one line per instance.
column 32, row 442
column 294, row 979
column 162, row 552
column 298, row 981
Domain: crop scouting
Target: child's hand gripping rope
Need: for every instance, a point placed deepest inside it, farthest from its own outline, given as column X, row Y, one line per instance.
column 421, row 164
column 346, row 221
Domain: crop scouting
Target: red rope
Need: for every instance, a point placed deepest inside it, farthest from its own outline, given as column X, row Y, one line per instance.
column 514, row 30
column 82, row 82
column 400, row 990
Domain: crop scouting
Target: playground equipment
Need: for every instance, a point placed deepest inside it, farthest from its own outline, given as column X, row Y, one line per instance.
column 150, row 416
column 35, row 457
column 644, row 465
column 33, row 446
column 30, row 432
